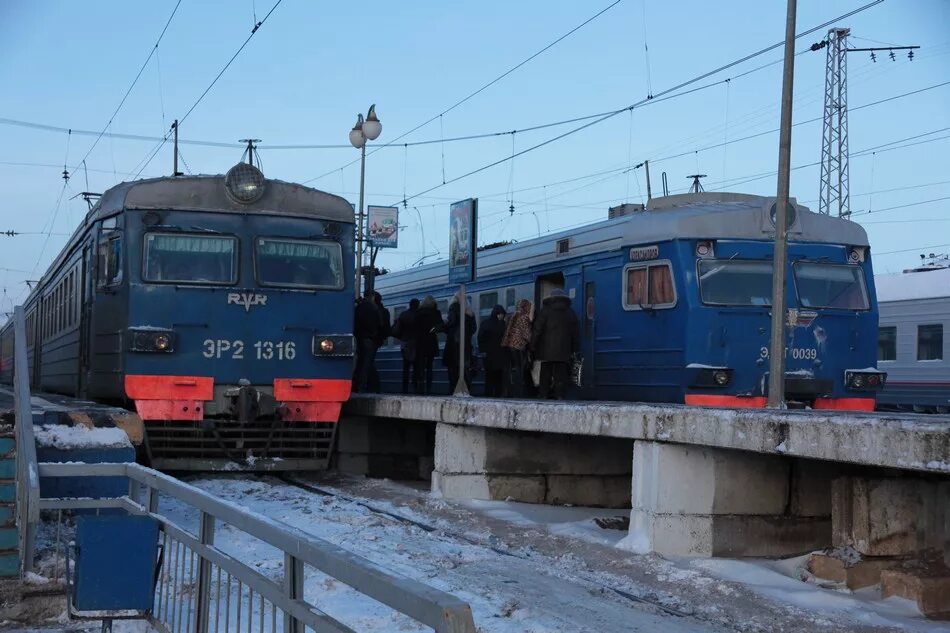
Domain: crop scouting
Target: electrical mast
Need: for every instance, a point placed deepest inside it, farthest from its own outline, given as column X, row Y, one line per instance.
column 835, row 194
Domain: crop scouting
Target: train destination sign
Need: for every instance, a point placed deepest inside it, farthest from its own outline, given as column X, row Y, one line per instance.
column 462, row 223
column 644, row 253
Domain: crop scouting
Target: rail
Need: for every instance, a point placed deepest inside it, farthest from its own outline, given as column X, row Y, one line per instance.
column 27, row 475
column 202, row 588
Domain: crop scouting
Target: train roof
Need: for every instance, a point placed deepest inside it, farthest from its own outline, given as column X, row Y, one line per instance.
column 208, row 193
column 704, row 215
column 911, row 285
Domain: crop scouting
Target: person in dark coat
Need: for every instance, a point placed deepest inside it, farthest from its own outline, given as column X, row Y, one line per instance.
column 385, row 326
column 366, row 324
column 428, row 323
column 490, row 334
column 405, row 331
column 450, row 354
column 515, row 345
column 554, row 340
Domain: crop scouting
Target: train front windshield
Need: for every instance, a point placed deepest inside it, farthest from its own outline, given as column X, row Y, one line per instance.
column 181, row 258
column 749, row 283
column 299, row 263
column 831, row 286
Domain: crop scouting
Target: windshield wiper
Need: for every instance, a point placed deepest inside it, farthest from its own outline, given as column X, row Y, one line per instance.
column 205, row 230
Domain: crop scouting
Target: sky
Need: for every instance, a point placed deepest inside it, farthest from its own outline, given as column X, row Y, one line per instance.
column 312, row 66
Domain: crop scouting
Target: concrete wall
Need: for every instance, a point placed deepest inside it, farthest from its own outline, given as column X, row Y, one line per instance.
column 695, row 501
column 480, row 463
column 385, row 447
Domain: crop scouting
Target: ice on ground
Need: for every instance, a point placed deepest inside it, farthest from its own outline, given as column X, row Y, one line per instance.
column 66, row 437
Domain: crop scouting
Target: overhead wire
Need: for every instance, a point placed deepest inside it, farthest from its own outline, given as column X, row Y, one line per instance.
column 482, row 88
column 669, row 91
column 183, row 118
column 134, row 81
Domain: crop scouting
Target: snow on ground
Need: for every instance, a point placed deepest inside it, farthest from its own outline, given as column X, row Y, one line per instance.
column 526, row 568
column 70, row 437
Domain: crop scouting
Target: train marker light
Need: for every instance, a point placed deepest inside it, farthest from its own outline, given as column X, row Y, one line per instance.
column 326, row 346
column 244, row 183
column 161, row 342
column 721, row 377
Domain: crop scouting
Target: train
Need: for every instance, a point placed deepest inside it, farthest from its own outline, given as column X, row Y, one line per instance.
column 673, row 300
column 219, row 307
column 915, row 313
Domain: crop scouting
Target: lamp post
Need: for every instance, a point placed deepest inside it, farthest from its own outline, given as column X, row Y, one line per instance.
column 367, row 129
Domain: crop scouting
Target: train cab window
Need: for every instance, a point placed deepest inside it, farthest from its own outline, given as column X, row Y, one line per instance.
column 930, row 342
column 887, row 343
column 299, row 263
column 648, row 286
column 182, row 258
column 735, row 282
column 110, row 262
column 831, row 286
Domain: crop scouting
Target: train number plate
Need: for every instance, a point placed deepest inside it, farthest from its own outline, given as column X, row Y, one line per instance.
column 796, row 353
column 257, row 350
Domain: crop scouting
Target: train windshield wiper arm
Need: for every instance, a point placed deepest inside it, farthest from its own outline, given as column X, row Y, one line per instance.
column 204, row 230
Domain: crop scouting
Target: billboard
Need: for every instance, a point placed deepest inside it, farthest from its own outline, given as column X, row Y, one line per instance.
column 463, row 220
column 382, row 226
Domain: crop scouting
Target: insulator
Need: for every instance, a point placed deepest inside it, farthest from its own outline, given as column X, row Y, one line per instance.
column 910, row 55
column 873, row 57
column 893, row 57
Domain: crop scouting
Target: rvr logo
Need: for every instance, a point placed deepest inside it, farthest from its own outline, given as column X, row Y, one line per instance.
column 246, row 299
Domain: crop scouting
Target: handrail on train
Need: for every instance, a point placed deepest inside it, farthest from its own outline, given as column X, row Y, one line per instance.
column 443, row 612
column 27, row 474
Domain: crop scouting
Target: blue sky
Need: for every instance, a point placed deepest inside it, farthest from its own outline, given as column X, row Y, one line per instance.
column 314, row 65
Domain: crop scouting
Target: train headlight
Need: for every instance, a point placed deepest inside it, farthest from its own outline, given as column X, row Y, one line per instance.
column 332, row 345
column 864, row 380
column 244, row 183
column 708, row 377
column 151, row 340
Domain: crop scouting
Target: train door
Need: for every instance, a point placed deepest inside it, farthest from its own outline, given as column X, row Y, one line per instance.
column 544, row 284
column 86, row 293
column 588, row 328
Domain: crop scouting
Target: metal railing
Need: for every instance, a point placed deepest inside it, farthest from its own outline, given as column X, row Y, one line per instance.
column 202, row 588
column 27, row 476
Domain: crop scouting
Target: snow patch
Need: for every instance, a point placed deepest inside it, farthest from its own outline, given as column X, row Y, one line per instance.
column 71, row 437
column 782, row 448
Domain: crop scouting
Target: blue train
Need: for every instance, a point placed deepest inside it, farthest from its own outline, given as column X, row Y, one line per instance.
column 220, row 306
column 674, row 302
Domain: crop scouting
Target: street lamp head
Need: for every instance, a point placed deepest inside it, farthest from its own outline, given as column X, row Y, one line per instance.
column 357, row 138
column 372, row 128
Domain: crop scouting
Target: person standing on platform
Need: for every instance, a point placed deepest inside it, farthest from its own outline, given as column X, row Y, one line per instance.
column 454, row 329
column 490, row 333
column 366, row 331
column 555, row 339
column 515, row 347
column 428, row 322
column 385, row 326
column 405, row 331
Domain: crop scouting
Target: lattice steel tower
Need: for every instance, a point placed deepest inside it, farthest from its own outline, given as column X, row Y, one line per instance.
column 834, row 143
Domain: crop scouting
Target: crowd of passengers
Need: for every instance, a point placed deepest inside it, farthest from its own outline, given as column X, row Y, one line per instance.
column 522, row 354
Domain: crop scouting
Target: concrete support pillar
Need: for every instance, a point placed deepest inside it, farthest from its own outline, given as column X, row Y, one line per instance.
column 484, row 463
column 880, row 516
column 698, row 501
column 385, row 447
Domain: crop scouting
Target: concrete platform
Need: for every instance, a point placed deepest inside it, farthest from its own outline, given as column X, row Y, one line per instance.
column 893, row 440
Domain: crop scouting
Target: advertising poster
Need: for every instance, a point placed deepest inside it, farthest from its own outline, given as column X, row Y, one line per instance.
column 462, row 224
column 382, row 226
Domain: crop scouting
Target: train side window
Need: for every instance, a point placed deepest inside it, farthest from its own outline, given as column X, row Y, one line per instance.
column 510, row 301
column 648, row 285
column 486, row 302
column 930, row 342
column 110, row 253
column 443, row 306
column 887, row 343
